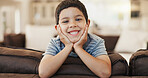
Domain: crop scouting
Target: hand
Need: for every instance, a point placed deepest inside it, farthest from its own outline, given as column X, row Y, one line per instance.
column 83, row 38
column 63, row 38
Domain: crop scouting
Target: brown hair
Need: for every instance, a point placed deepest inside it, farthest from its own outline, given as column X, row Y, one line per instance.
column 70, row 3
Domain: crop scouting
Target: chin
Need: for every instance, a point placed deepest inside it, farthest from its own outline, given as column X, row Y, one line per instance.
column 74, row 41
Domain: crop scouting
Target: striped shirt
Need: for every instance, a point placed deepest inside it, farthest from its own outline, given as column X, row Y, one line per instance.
column 94, row 46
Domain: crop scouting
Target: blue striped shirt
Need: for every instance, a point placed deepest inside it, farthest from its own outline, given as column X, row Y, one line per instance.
column 94, row 46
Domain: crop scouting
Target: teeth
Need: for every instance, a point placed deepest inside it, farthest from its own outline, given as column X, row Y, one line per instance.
column 73, row 32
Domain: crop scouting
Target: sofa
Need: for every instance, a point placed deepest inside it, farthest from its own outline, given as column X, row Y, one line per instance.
column 13, row 51
column 17, row 61
column 23, row 63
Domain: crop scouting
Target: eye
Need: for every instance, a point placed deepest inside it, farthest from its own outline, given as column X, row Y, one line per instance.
column 66, row 21
column 78, row 19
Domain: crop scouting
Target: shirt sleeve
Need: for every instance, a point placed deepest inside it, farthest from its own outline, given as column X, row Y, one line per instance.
column 51, row 49
column 99, row 49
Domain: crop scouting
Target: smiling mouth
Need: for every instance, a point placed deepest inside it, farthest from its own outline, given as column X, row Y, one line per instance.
column 74, row 33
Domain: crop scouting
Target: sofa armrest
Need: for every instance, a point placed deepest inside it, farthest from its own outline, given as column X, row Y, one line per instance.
column 119, row 65
column 138, row 64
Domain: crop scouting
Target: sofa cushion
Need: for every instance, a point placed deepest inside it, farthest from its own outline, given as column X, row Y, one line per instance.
column 2, row 44
column 131, row 41
column 110, row 42
column 38, row 37
column 19, row 61
column 17, row 40
column 139, row 63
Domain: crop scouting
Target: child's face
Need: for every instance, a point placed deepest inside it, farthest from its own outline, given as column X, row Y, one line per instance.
column 72, row 23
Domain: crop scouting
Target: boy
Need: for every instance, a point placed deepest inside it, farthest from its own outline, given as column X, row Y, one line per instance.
column 74, row 40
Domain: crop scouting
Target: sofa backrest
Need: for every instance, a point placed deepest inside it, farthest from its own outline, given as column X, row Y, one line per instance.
column 74, row 66
column 19, row 61
column 138, row 64
column 27, row 61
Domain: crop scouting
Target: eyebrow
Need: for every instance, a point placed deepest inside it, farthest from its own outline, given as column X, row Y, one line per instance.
column 78, row 16
column 75, row 16
column 64, row 18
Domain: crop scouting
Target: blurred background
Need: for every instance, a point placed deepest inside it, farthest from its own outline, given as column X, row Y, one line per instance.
column 126, row 19
column 114, row 14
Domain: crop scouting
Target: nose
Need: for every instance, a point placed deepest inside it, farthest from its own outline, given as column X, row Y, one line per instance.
column 73, row 24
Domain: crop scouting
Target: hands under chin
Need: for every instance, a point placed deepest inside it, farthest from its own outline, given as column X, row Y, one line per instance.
column 76, row 45
column 64, row 38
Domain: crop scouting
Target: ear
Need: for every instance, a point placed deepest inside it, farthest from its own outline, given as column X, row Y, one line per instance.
column 55, row 27
column 88, row 22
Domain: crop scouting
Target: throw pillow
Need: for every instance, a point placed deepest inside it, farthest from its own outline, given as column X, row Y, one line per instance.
column 131, row 41
column 38, row 37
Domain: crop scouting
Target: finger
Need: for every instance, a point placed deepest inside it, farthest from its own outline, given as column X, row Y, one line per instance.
column 83, row 38
column 84, row 35
column 61, row 33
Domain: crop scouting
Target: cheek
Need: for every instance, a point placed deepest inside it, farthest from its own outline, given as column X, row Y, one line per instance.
column 82, row 26
column 63, row 29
